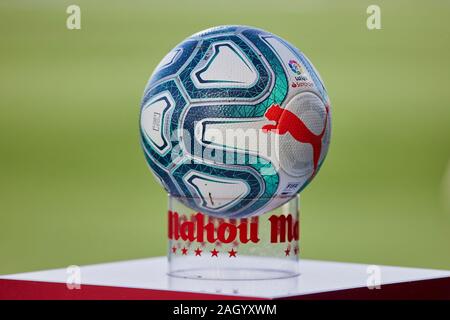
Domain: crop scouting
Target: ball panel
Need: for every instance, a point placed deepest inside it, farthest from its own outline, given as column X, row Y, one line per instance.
column 172, row 62
column 217, row 193
column 154, row 121
column 226, row 92
column 215, row 31
column 183, row 173
column 150, row 120
column 226, row 67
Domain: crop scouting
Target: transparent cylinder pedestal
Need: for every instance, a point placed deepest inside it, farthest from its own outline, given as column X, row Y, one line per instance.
column 255, row 248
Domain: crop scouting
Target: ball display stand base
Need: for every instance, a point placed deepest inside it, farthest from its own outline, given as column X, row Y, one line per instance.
column 148, row 279
column 211, row 248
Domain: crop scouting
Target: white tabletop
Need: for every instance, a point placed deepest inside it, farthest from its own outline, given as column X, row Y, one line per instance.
column 316, row 277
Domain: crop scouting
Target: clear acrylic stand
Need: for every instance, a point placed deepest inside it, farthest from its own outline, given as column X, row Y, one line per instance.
column 211, row 248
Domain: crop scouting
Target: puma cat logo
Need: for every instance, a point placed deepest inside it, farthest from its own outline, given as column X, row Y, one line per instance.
column 288, row 122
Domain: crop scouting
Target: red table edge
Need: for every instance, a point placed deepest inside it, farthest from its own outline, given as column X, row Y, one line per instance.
column 432, row 289
column 41, row 290
column 429, row 289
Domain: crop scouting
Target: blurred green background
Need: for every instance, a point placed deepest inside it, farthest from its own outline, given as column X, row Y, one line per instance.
column 74, row 185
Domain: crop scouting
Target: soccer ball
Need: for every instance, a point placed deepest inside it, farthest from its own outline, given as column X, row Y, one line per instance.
column 235, row 121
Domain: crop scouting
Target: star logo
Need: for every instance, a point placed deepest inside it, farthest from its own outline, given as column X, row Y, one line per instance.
column 174, row 249
column 296, row 250
column 198, row 252
column 232, row 253
column 184, row 251
column 287, row 251
column 214, row 253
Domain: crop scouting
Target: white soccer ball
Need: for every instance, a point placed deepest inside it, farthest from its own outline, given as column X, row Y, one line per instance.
column 235, row 121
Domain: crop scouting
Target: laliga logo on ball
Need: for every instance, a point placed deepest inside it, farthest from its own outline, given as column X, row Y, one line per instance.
column 295, row 67
column 235, row 121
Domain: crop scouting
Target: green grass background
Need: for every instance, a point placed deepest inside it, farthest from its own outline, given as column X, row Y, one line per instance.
column 74, row 186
